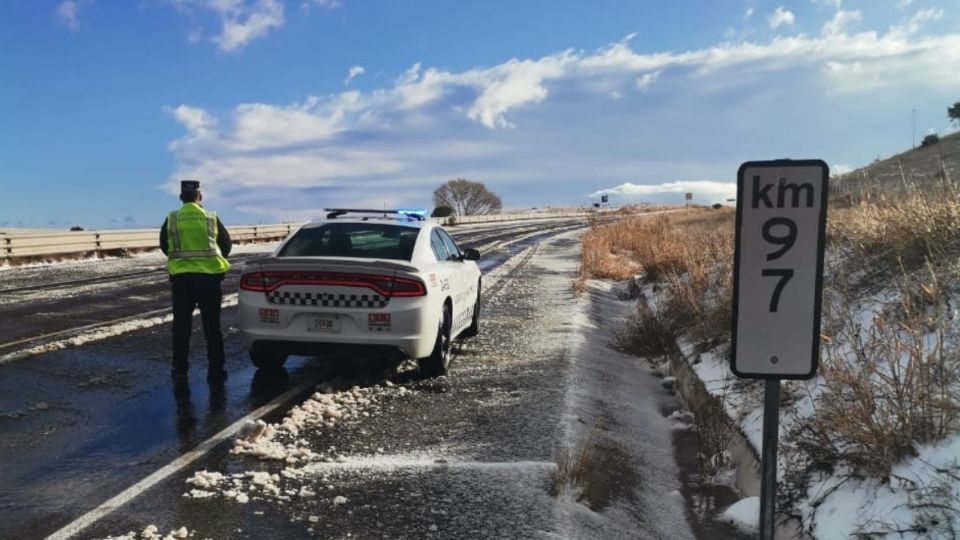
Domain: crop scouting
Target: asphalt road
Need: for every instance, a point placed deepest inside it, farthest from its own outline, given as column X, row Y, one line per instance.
column 82, row 423
column 49, row 299
column 469, row 455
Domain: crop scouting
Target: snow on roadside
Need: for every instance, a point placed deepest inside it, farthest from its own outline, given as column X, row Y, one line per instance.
column 277, row 464
column 616, row 398
column 744, row 515
column 152, row 532
column 6, row 266
column 238, row 249
column 919, row 499
column 100, row 333
column 840, row 506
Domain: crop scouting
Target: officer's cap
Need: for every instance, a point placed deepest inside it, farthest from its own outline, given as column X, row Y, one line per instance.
column 189, row 186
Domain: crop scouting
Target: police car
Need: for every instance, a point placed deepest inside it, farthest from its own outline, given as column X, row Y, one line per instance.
column 362, row 283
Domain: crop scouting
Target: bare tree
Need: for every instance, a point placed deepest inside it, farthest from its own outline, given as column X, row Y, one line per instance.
column 467, row 198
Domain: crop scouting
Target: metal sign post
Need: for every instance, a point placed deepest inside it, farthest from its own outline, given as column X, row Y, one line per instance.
column 777, row 285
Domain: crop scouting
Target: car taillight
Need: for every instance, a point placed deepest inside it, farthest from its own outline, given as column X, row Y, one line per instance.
column 385, row 285
column 408, row 287
column 257, row 281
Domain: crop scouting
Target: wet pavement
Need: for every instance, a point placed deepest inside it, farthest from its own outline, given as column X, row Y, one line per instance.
column 57, row 298
column 468, row 455
column 82, row 423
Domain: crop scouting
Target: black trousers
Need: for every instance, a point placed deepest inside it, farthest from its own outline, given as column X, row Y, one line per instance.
column 190, row 290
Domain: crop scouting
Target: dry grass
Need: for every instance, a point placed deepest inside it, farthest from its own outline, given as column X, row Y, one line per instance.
column 690, row 253
column 902, row 230
column 648, row 333
column 890, row 385
column 573, row 466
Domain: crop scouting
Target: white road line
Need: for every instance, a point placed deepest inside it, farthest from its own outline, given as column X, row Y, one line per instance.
column 127, row 495
column 173, row 467
column 99, row 331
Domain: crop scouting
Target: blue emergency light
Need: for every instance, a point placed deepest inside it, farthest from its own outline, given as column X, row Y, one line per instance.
column 420, row 215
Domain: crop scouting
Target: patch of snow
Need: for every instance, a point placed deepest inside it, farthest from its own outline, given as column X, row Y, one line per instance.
column 744, row 515
column 612, row 386
column 100, row 333
column 152, row 532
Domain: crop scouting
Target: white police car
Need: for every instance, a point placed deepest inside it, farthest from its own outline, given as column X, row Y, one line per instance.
column 361, row 283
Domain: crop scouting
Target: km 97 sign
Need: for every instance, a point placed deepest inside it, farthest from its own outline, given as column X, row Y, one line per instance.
column 778, row 268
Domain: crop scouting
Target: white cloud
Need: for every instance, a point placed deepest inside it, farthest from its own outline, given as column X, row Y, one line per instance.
column 913, row 25
column 240, row 26
column 780, row 17
column 703, row 191
column 506, row 87
column 354, row 72
column 748, row 13
column 68, row 12
column 840, row 21
column 429, row 124
column 415, row 89
column 647, row 79
column 198, row 123
column 904, row 4
column 241, row 21
column 514, row 84
column 839, row 169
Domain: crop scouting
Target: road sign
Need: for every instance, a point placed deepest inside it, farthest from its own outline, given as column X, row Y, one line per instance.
column 778, row 268
column 777, row 284
column 604, row 198
column 688, row 196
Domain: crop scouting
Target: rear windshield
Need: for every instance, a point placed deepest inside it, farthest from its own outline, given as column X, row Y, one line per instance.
column 361, row 240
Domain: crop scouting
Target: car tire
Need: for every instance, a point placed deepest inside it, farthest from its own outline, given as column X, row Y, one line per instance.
column 439, row 360
column 265, row 358
column 474, row 329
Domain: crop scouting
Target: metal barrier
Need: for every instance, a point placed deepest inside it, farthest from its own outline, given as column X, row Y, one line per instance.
column 14, row 245
column 494, row 218
column 39, row 244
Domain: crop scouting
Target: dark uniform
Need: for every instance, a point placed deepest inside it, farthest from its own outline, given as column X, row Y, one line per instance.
column 197, row 244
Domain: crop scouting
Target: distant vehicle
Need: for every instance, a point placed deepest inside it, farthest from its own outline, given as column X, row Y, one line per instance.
column 378, row 282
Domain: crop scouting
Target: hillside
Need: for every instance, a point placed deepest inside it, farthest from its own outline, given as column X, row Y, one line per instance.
column 918, row 165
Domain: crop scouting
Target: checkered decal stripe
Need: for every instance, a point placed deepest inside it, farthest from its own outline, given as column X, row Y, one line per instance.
column 463, row 318
column 328, row 300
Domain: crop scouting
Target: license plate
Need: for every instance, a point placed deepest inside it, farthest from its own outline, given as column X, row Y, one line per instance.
column 325, row 323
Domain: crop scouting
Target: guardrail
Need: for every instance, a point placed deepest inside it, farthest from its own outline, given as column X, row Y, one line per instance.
column 493, row 218
column 58, row 243
column 18, row 246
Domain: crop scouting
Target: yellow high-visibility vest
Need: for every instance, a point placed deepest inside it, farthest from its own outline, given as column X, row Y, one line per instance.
column 192, row 242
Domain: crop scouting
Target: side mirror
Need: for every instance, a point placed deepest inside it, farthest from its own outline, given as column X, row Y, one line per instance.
column 471, row 254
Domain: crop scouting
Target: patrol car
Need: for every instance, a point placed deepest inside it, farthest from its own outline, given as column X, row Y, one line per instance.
column 361, row 283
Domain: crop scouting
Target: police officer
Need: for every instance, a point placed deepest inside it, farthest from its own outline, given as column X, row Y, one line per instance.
column 196, row 244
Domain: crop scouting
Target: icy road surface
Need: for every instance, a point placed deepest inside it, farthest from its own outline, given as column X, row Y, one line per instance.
column 468, row 455
column 370, row 453
column 65, row 296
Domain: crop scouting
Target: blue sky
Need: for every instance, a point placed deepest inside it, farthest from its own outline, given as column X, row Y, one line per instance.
column 284, row 107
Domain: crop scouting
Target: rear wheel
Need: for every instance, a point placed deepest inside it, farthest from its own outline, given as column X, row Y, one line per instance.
column 474, row 329
column 436, row 364
column 267, row 358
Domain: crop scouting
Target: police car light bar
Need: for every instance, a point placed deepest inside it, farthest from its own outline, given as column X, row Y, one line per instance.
column 419, row 215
